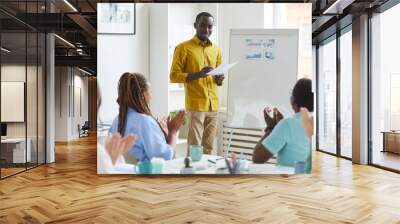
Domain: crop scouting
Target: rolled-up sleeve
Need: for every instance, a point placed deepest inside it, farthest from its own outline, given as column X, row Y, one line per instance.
column 218, row 62
column 178, row 64
column 277, row 139
column 154, row 143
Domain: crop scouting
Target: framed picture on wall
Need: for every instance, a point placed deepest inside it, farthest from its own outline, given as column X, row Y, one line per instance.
column 116, row 18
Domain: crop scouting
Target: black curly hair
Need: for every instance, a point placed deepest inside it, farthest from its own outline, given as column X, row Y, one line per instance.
column 303, row 95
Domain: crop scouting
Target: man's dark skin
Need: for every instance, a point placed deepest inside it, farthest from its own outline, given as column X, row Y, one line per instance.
column 203, row 28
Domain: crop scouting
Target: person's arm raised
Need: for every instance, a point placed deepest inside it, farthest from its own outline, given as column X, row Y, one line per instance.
column 174, row 125
column 262, row 154
column 117, row 145
column 307, row 122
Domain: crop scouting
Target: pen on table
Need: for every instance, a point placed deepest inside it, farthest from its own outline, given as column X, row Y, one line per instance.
column 209, row 160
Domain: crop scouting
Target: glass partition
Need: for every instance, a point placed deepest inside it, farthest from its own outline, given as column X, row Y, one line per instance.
column 327, row 96
column 22, row 88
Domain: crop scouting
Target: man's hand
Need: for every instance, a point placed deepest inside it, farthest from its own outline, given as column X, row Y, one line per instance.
column 219, row 79
column 198, row 75
column 205, row 70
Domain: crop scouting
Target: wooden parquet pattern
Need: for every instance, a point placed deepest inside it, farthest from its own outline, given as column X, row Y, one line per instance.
column 70, row 191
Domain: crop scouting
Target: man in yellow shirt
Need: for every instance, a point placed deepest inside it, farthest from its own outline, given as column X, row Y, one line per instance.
column 193, row 59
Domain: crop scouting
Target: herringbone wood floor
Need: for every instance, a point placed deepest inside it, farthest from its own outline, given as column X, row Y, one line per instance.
column 70, row 191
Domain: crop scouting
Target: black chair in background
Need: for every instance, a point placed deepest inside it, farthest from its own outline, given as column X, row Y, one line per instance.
column 84, row 130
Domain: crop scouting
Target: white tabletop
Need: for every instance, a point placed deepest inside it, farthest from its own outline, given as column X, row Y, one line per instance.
column 13, row 140
column 204, row 166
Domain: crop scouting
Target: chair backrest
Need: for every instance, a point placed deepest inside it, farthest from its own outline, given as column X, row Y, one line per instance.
column 240, row 141
column 86, row 125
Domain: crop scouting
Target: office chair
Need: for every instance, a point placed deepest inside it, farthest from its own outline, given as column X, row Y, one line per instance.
column 84, row 130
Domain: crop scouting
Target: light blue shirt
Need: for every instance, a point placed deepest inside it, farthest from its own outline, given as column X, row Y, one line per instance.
column 150, row 142
column 290, row 143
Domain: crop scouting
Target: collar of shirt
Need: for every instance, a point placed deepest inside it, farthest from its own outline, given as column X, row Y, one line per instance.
column 131, row 110
column 297, row 115
column 198, row 41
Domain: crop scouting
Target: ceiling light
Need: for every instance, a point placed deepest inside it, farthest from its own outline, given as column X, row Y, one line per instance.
column 5, row 50
column 70, row 5
column 65, row 41
column 337, row 7
column 86, row 72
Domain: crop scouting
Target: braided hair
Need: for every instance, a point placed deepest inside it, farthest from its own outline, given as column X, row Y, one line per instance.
column 131, row 93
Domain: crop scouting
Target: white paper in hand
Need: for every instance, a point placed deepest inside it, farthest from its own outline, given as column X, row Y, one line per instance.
column 222, row 69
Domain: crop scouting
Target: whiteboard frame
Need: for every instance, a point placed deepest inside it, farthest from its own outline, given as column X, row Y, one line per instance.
column 260, row 32
column 23, row 102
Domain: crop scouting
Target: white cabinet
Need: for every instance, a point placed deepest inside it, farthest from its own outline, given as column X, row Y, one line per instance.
column 17, row 146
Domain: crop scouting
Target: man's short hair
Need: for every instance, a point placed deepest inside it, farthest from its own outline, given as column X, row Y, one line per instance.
column 206, row 14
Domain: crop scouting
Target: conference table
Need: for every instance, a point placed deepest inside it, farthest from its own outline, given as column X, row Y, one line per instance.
column 209, row 164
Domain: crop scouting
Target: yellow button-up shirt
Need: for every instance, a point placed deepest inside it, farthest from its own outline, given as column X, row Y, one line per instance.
column 189, row 57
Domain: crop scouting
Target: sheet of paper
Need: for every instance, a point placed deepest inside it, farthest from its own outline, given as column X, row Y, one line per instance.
column 222, row 69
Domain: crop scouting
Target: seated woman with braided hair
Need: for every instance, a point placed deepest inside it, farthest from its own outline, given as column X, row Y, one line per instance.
column 289, row 138
column 153, row 139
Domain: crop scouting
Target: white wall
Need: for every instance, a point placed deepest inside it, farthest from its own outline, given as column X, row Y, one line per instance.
column 117, row 54
column 183, row 13
column 61, row 103
column 81, row 108
column 67, row 81
column 158, row 64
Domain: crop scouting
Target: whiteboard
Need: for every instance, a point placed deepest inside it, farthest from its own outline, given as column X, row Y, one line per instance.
column 264, row 76
column 12, row 101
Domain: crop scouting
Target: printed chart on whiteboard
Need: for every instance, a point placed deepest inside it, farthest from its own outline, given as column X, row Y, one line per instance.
column 258, row 49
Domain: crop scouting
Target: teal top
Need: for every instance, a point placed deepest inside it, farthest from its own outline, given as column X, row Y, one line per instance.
column 290, row 143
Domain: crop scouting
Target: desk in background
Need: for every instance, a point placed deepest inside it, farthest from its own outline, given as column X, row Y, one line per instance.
column 391, row 141
column 13, row 150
